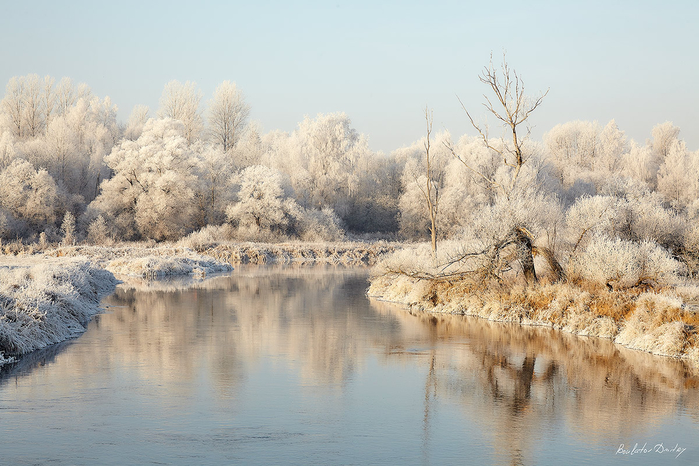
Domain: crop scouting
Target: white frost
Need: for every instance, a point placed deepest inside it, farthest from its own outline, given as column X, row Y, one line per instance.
column 47, row 302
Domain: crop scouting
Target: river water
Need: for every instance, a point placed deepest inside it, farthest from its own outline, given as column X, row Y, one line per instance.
column 297, row 366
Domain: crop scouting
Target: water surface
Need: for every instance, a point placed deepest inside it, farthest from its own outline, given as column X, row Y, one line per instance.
column 297, row 366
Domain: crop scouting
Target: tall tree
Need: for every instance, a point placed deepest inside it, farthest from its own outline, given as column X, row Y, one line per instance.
column 512, row 108
column 181, row 102
column 227, row 116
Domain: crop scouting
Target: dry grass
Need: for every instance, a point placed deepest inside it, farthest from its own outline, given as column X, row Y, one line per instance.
column 657, row 321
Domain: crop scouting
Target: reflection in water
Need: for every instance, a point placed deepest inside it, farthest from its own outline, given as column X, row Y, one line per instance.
column 520, row 381
column 272, row 364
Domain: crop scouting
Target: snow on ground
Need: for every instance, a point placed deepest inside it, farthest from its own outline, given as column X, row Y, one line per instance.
column 45, row 301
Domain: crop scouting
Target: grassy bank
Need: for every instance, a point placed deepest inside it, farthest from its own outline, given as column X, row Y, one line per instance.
column 45, row 301
column 660, row 321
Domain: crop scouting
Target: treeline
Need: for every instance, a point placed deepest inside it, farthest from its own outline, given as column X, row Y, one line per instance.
column 70, row 172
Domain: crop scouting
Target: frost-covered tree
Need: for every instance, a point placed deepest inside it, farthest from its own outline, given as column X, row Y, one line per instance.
column 612, row 145
column 424, row 176
column 249, row 148
column 68, row 94
column 214, row 171
column 7, row 149
column 137, row 120
column 664, row 135
column 152, row 192
column 640, row 163
column 262, row 201
column 181, row 102
column 265, row 210
column 98, row 232
column 30, row 198
column 68, row 229
column 514, row 181
column 75, row 144
column 329, row 149
column 227, row 115
column 33, row 113
column 327, row 163
column 13, row 106
column 678, row 176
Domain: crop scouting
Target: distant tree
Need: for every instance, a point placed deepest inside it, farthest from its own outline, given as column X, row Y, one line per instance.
column 68, row 229
column 152, row 192
column 612, row 142
column 423, row 181
column 181, row 102
column 664, row 135
column 227, row 115
column 328, row 150
column 214, row 171
column 75, row 144
column 98, row 232
column 266, row 211
column 677, row 176
column 67, row 95
column 48, row 100
column 13, row 106
column 137, row 120
column 262, row 201
column 7, row 150
column 31, row 196
column 33, row 113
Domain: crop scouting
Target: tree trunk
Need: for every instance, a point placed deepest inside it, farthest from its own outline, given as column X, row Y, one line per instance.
column 524, row 253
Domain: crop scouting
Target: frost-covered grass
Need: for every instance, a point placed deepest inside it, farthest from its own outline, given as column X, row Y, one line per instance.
column 648, row 308
column 160, row 266
column 146, row 260
column 194, row 257
column 343, row 253
column 47, row 302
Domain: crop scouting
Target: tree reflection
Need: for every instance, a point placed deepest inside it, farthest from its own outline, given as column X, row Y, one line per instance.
column 518, row 382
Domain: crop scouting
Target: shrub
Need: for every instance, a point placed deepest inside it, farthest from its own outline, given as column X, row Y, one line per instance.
column 622, row 264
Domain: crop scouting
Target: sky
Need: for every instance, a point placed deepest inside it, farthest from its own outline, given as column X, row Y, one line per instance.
column 380, row 62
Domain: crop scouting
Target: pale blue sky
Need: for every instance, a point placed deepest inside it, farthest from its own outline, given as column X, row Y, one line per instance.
column 380, row 62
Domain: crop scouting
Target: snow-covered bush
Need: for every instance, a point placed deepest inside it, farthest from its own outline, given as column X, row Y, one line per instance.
column 263, row 205
column 98, row 233
column 620, row 263
column 319, row 225
column 634, row 215
column 265, row 211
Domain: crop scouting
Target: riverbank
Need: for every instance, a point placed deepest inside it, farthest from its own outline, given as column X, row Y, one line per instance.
column 44, row 301
column 662, row 322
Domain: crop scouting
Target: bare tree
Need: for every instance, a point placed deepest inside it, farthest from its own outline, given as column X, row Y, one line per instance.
column 32, row 106
column 430, row 190
column 13, row 105
column 512, row 108
column 228, row 115
column 48, row 100
column 181, row 102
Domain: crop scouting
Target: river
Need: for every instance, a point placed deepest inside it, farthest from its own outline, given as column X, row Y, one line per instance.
column 272, row 365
